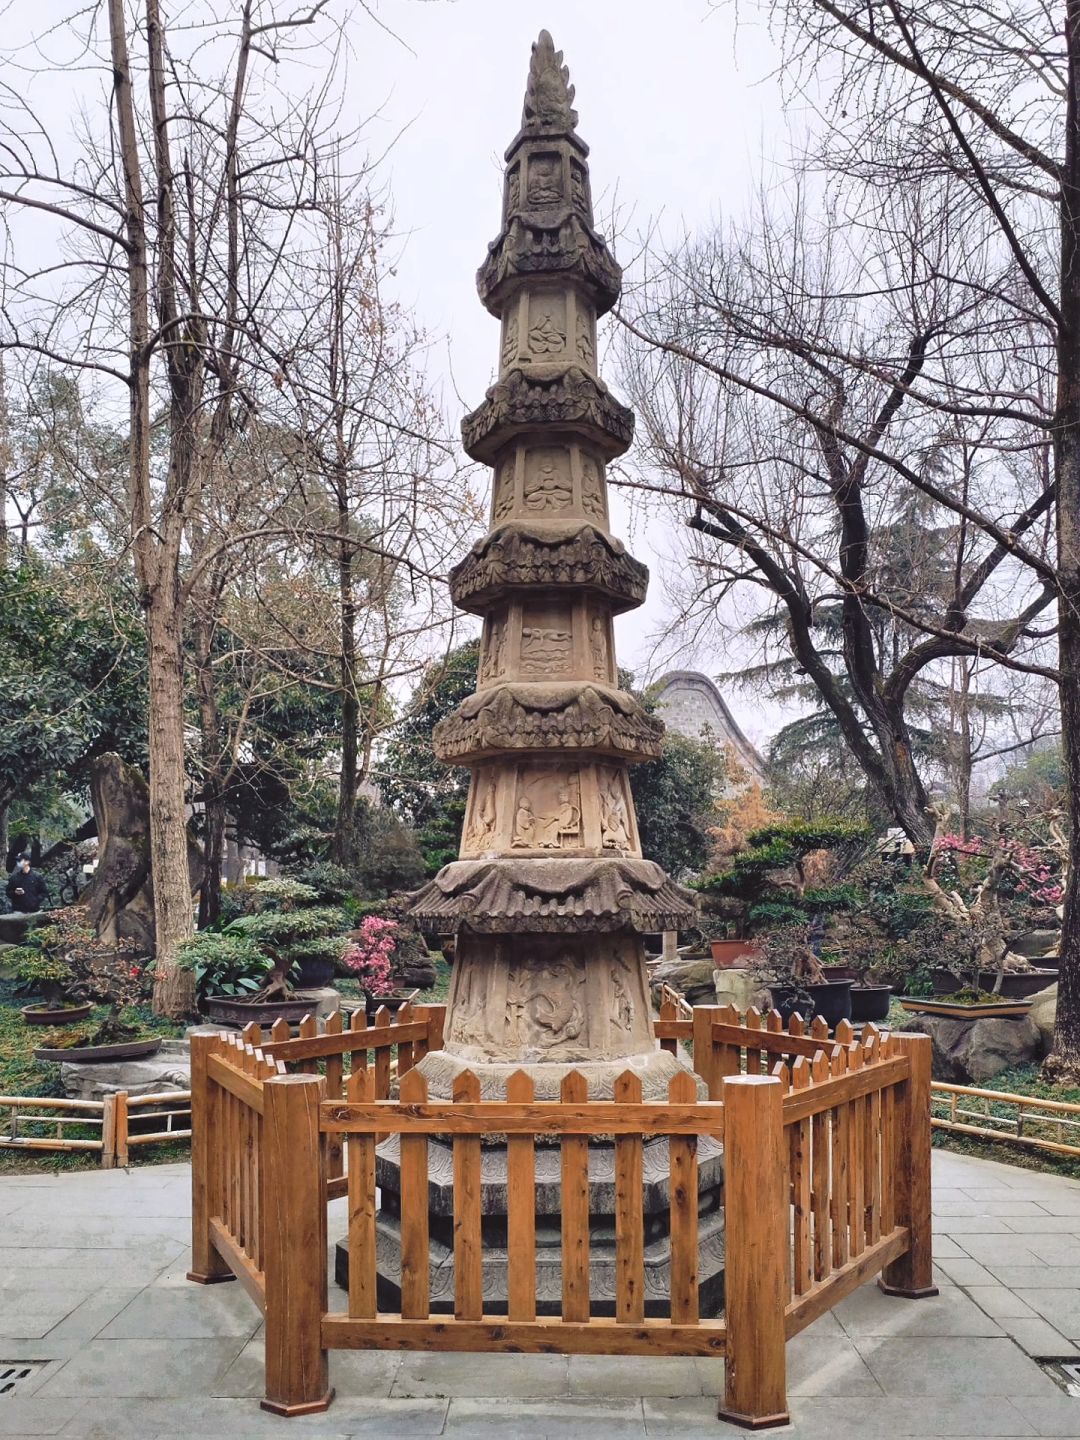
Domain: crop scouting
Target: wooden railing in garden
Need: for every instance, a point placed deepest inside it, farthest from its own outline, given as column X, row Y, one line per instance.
column 32, row 1122
column 827, row 1183
column 1029, row 1121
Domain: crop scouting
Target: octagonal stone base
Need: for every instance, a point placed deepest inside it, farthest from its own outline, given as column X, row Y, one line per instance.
column 548, row 1251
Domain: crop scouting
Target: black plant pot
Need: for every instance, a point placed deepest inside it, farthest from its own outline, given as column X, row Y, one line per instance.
column 870, row 1003
column 313, row 974
column 831, row 1000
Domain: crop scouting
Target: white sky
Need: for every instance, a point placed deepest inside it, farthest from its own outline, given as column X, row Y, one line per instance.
column 680, row 112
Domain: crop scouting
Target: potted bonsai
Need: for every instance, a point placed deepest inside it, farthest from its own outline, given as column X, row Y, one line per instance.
column 792, row 974
column 369, row 957
column 100, row 973
column 39, row 970
column 249, row 970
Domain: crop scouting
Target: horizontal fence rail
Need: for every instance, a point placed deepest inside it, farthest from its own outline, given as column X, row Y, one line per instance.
column 826, row 1143
column 1052, row 1126
column 39, row 1123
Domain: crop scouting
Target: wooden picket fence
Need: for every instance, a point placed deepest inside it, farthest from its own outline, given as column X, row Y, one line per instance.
column 34, row 1122
column 827, row 1183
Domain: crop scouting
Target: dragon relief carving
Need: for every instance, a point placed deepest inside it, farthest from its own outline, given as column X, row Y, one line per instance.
column 527, row 399
column 540, row 717
column 514, row 557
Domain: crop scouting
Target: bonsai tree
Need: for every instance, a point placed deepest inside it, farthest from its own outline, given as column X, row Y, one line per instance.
column 370, row 953
column 769, row 884
column 788, row 963
column 65, row 961
column 258, row 952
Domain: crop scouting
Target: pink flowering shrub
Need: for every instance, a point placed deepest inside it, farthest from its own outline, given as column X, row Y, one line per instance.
column 1029, row 875
column 370, row 951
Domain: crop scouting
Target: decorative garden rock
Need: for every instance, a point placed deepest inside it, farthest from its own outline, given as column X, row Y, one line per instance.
column 169, row 1069
column 691, row 976
column 15, row 925
column 1043, row 1012
column 967, row 1052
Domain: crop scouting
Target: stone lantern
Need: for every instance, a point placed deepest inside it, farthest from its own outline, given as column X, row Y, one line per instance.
column 550, row 895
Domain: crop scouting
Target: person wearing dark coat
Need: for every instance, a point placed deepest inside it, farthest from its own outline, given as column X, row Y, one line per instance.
column 26, row 889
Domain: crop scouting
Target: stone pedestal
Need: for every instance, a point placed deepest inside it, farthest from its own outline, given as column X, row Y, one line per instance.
column 169, row 1068
column 548, row 1237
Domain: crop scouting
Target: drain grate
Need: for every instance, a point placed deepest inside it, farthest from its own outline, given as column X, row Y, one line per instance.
column 1064, row 1373
column 15, row 1374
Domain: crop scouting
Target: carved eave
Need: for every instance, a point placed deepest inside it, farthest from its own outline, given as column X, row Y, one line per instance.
column 500, row 897
column 520, row 555
column 539, row 243
column 568, row 715
column 523, row 401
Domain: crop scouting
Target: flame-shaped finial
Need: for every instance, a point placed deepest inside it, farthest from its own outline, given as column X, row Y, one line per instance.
column 549, row 95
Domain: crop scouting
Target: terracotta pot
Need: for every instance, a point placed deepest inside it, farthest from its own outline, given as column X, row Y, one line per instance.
column 55, row 1014
column 734, row 954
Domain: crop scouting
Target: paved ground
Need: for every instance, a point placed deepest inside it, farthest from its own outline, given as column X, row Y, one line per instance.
column 92, row 1283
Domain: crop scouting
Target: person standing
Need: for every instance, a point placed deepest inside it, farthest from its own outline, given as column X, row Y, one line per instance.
column 26, row 889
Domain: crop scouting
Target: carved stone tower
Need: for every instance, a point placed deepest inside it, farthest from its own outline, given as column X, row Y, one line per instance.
column 550, row 895
column 550, row 892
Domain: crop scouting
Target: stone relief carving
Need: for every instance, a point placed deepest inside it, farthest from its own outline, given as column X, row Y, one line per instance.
column 556, row 716
column 585, row 349
column 544, row 650
column 549, row 96
column 545, row 180
column 513, row 189
column 504, row 490
column 514, row 557
column 592, row 501
column 598, row 648
column 548, row 812
column 525, row 398
column 622, row 988
column 494, row 651
column 567, row 245
column 468, row 1009
column 547, row 335
column 614, row 822
column 547, row 480
column 481, row 831
column 510, row 341
column 579, row 188
column 554, row 1009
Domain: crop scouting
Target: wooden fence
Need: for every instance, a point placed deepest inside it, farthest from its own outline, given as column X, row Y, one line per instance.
column 40, row 1123
column 1052, row 1126
column 827, row 1156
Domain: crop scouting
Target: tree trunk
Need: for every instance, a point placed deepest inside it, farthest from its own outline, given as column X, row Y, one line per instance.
column 1064, row 1059
column 213, row 779
column 174, row 988
column 345, row 847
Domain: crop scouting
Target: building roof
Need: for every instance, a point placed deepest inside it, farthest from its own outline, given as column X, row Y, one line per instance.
column 689, row 702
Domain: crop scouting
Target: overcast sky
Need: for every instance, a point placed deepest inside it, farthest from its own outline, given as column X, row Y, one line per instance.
column 680, row 111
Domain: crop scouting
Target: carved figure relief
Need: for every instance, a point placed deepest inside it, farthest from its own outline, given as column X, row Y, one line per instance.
column 545, row 180
column 598, row 648
column 548, row 813
column 494, row 651
column 513, row 190
column 622, row 999
column 510, row 341
column 554, row 1007
column 547, row 481
column 548, row 92
column 481, row 831
column 579, row 193
column 544, row 650
column 585, row 348
column 504, row 490
column 614, row 822
column 547, row 330
column 468, row 1006
column 592, row 501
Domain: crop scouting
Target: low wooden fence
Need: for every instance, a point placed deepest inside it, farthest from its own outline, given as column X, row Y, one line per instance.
column 1052, row 1126
column 41, row 1122
column 827, row 1163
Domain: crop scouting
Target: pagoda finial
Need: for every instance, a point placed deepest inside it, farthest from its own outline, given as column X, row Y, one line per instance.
column 549, row 95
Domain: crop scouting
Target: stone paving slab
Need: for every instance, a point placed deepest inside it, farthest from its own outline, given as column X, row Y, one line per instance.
column 92, row 1279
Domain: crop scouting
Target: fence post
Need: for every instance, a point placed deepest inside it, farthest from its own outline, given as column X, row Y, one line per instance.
column 912, row 1275
column 705, row 1055
column 207, row 1266
column 108, row 1132
column 756, row 1251
column 294, row 1263
column 121, row 1129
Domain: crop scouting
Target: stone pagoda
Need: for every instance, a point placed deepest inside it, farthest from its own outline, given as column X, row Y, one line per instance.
column 550, row 896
